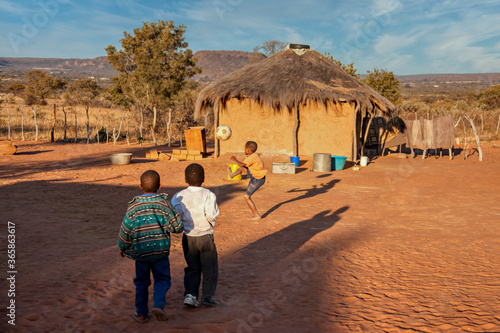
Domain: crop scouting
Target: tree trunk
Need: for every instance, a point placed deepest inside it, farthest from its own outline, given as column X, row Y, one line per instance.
column 21, row 106
column 119, row 129
column 8, row 121
column 107, row 123
column 498, row 125
column 154, row 126
column 53, row 131
column 296, row 131
column 465, row 141
column 76, row 128
column 65, row 124
column 169, row 127
column 142, row 122
column 128, row 128
column 36, row 123
column 97, row 126
column 88, row 123
column 477, row 137
column 180, row 135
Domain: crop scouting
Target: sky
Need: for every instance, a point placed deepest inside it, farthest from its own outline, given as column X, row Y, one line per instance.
column 402, row 36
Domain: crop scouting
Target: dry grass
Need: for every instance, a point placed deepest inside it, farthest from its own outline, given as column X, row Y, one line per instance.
column 99, row 119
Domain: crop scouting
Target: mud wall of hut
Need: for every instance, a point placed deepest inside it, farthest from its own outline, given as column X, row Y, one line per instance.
column 326, row 129
column 323, row 128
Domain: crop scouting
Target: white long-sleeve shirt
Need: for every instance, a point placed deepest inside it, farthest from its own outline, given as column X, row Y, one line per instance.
column 198, row 209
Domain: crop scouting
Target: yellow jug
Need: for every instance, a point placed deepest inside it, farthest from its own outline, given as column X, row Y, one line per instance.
column 234, row 167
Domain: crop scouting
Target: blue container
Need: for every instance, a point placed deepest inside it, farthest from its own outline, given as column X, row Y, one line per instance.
column 338, row 162
column 295, row 159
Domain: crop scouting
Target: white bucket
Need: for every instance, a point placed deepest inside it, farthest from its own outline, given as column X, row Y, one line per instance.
column 364, row 161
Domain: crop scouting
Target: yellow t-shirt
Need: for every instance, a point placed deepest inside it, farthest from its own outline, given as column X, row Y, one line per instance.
column 255, row 165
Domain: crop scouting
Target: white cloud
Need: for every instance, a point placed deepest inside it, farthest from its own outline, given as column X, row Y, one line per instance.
column 390, row 43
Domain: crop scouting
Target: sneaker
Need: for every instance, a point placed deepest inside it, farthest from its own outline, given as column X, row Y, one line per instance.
column 191, row 301
column 140, row 318
column 208, row 301
column 160, row 314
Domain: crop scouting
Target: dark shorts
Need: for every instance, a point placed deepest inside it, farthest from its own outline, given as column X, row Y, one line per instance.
column 254, row 184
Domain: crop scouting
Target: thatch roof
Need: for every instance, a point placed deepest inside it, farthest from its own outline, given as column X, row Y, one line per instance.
column 287, row 79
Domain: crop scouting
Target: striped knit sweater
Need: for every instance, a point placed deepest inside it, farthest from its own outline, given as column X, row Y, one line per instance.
column 141, row 237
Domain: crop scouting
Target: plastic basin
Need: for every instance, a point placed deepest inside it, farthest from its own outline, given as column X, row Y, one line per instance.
column 120, row 158
column 338, row 162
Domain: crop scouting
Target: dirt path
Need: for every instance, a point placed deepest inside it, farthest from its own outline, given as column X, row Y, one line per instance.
column 403, row 245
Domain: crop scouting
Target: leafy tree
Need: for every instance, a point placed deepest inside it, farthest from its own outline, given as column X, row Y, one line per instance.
column 42, row 85
column 116, row 94
column 491, row 97
column 349, row 68
column 154, row 64
column 84, row 91
column 385, row 83
column 15, row 88
column 270, row 47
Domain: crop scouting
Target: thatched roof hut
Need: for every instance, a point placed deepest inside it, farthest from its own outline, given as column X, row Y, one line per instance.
column 297, row 94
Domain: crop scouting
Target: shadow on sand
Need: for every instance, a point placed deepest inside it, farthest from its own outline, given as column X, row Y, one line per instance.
column 308, row 193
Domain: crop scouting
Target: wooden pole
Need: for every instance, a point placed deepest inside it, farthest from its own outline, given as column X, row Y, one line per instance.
column 36, row 123
column 154, row 125
column 97, row 126
column 498, row 125
column 8, row 121
column 216, row 124
column 107, row 125
column 355, row 136
column 366, row 134
column 65, row 124
column 52, row 132
column 169, row 127
column 296, row 131
column 76, row 128
column 88, row 123
column 21, row 106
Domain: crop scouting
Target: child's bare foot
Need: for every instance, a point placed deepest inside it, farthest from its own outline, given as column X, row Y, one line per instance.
column 255, row 217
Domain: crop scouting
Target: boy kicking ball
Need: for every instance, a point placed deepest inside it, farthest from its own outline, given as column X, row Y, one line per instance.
column 255, row 170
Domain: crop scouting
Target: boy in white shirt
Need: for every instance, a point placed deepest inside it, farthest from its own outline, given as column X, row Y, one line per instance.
column 198, row 209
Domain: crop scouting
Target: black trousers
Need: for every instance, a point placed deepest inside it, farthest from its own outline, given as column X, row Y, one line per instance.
column 201, row 259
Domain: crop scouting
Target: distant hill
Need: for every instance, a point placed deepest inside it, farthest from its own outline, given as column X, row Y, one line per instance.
column 493, row 78
column 215, row 64
column 68, row 68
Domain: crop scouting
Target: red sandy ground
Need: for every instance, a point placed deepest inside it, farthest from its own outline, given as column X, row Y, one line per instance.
column 402, row 245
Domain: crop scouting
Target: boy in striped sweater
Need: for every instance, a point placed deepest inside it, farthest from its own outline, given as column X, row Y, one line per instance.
column 145, row 237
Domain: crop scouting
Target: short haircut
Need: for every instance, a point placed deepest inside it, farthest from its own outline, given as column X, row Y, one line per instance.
column 252, row 145
column 150, row 181
column 195, row 174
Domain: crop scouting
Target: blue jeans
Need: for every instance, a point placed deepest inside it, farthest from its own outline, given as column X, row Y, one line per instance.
column 254, row 183
column 142, row 281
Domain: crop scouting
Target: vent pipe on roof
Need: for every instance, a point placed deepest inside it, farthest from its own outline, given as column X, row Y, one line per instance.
column 300, row 49
column 298, row 46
